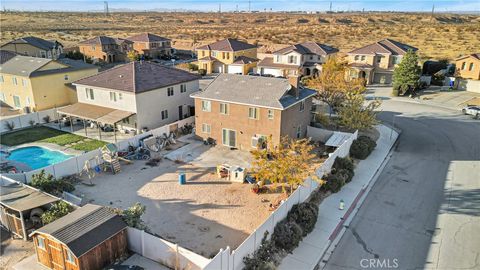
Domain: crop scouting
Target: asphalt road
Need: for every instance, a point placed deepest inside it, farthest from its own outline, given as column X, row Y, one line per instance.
column 424, row 210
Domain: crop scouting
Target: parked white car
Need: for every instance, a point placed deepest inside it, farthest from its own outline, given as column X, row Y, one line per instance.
column 472, row 110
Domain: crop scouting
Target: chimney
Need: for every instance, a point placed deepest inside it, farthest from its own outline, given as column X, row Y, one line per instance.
column 294, row 81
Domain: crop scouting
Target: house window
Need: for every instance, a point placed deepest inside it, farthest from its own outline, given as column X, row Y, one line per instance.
column 299, row 132
column 229, row 137
column 379, row 59
column 270, row 114
column 27, row 101
column 357, row 57
column 224, row 108
column 253, row 113
column 206, row 128
column 206, row 106
column 464, row 65
column 41, row 242
column 24, row 82
column 470, row 67
column 228, row 55
column 223, row 55
column 65, row 77
column 16, row 101
column 363, row 57
column 311, row 57
column 203, row 53
column 170, row 91
column 183, row 88
column 214, row 54
column 14, row 80
column 113, row 96
column 278, row 58
column 397, row 60
column 164, row 114
column 302, row 105
column 70, row 257
column 2, row 96
column 120, row 96
column 89, row 93
column 292, row 59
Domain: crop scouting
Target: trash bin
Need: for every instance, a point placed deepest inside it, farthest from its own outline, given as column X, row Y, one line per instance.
column 182, row 178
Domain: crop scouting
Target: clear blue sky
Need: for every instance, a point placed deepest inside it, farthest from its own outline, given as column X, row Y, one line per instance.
column 230, row 5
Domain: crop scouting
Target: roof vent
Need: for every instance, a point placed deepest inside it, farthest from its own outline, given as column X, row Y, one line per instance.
column 121, row 76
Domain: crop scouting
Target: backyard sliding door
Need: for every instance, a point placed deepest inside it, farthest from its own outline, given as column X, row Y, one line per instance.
column 229, row 137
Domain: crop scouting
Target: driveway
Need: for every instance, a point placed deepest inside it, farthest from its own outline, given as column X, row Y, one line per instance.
column 424, row 210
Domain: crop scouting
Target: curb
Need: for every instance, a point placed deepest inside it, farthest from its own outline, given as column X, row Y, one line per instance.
column 351, row 212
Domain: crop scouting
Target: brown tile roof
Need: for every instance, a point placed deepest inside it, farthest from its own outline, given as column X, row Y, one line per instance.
column 242, row 60
column 308, row 48
column 268, row 62
column 227, row 45
column 104, row 40
column 386, row 46
column 147, row 37
column 138, row 77
column 474, row 55
column 37, row 42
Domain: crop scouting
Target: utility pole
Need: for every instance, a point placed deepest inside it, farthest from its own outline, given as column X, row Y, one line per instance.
column 433, row 11
column 105, row 7
column 330, row 7
column 220, row 8
column 237, row 8
column 249, row 3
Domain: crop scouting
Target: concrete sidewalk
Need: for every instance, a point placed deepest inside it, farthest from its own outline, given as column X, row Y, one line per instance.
column 331, row 220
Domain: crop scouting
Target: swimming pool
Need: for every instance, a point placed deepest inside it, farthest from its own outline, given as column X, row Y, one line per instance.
column 37, row 157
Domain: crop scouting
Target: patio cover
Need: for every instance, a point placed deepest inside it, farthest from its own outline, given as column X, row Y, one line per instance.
column 21, row 198
column 95, row 113
column 337, row 138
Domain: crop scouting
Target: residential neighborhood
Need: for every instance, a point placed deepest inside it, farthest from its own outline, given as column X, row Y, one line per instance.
column 133, row 148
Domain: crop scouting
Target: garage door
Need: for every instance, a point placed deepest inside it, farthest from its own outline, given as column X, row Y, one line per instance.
column 235, row 69
column 382, row 78
column 272, row 71
column 217, row 67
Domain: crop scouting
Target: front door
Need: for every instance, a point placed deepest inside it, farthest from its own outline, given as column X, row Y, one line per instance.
column 180, row 112
column 229, row 137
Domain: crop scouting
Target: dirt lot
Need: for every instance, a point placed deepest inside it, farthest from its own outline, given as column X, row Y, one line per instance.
column 204, row 215
column 13, row 250
column 441, row 36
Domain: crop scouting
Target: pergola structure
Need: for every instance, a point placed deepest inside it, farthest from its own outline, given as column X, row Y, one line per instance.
column 98, row 114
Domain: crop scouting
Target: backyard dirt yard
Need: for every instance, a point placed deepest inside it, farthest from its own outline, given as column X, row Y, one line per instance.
column 204, row 215
column 13, row 250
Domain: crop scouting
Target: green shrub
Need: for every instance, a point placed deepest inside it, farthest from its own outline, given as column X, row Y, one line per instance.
column 343, row 163
column 287, row 235
column 46, row 182
column 192, row 66
column 266, row 257
column 362, row 147
column 132, row 215
column 304, row 214
column 202, row 72
column 58, row 210
column 345, row 174
column 334, row 182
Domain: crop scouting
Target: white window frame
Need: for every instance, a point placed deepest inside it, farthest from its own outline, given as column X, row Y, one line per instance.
column 256, row 113
column 2, row 96
column 14, row 80
column 24, row 82
column 227, row 138
column 170, row 91
column 206, row 128
column 164, row 114
column 224, row 108
column 41, row 240
column 183, row 88
column 89, row 94
column 271, row 114
column 19, row 102
column 206, row 105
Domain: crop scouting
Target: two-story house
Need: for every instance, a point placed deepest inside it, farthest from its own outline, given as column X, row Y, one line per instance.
column 34, row 46
column 303, row 59
column 135, row 96
column 243, row 111
column 468, row 66
column 227, row 56
column 106, row 49
column 376, row 62
column 35, row 84
column 151, row 45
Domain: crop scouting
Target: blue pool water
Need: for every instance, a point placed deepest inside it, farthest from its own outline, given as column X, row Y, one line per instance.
column 37, row 157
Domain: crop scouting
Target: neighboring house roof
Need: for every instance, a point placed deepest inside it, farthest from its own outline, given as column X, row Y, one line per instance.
column 386, row 46
column 242, row 60
column 268, row 62
column 308, row 48
column 36, row 42
column 27, row 66
column 138, row 77
column 22, row 197
column 252, row 90
column 147, row 37
column 6, row 55
column 474, row 55
column 84, row 228
column 104, row 40
column 227, row 45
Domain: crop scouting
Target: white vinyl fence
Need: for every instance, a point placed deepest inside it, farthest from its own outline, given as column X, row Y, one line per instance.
column 76, row 164
column 26, row 120
column 226, row 260
column 163, row 251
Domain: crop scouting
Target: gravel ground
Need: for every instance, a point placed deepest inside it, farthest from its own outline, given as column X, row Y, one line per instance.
column 204, row 215
column 13, row 250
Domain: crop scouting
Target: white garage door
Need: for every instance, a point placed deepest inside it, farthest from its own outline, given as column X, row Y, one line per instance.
column 235, row 69
column 272, row 71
